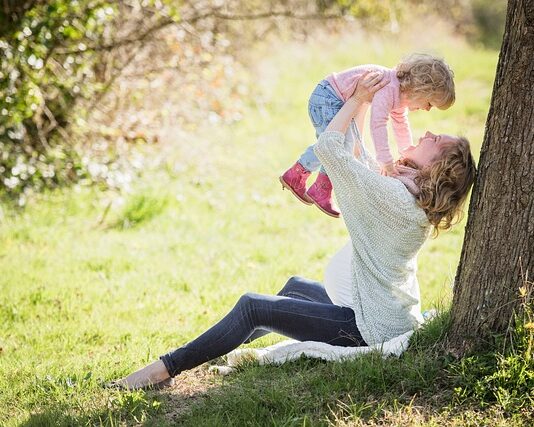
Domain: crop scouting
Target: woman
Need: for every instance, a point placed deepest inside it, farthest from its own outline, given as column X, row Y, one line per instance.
column 371, row 293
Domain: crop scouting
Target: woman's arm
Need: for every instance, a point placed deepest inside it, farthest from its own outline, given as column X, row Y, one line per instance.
column 360, row 191
column 359, row 119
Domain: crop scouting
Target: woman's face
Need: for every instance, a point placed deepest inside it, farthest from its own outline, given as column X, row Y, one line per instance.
column 428, row 149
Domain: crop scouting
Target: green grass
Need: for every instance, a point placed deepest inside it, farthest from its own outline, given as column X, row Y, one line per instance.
column 95, row 285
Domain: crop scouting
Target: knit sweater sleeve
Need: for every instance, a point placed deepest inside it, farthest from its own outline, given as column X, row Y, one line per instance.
column 361, row 192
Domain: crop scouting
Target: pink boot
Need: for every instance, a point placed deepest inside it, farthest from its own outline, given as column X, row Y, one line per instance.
column 321, row 194
column 294, row 179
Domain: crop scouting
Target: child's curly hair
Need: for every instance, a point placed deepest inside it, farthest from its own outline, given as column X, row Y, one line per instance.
column 445, row 183
column 429, row 77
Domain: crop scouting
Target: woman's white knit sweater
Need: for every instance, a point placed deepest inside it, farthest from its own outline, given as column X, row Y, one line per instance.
column 387, row 229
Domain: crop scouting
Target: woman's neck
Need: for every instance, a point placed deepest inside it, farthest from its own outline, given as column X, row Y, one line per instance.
column 407, row 163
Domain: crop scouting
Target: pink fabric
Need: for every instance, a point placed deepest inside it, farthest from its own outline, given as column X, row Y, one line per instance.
column 386, row 104
column 407, row 176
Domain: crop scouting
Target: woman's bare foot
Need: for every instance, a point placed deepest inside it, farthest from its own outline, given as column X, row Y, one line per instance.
column 154, row 375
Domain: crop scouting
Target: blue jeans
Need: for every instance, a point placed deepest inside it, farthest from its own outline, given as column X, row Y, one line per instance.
column 301, row 310
column 323, row 105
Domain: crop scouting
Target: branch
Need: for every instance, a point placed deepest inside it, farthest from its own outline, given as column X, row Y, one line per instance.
column 124, row 42
column 194, row 19
column 105, row 89
column 271, row 14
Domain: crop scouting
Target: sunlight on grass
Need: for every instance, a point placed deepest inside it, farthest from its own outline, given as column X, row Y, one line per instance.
column 87, row 295
column 140, row 208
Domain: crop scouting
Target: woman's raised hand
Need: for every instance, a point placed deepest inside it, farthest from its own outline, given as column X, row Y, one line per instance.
column 356, row 105
column 368, row 84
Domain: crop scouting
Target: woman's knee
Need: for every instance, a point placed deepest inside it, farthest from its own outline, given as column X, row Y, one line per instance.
column 292, row 284
column 251, row 307
column 247, row 300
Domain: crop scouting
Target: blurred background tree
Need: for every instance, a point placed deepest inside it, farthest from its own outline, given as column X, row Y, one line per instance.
column 77, row 76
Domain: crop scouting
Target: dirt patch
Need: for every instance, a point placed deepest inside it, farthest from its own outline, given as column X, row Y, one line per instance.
column 190, row 387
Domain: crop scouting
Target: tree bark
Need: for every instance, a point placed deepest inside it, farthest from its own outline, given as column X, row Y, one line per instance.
column 497, row 253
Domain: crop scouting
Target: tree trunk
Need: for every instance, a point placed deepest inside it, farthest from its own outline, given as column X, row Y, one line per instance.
column 498, row 247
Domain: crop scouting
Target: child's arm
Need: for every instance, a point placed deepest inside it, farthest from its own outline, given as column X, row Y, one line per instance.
column 401, row 129
column 380, row 111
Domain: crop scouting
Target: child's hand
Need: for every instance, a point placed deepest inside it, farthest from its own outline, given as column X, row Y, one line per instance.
column 389, row 169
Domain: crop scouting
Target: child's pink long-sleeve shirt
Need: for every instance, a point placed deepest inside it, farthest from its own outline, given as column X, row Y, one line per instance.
column 386, row 103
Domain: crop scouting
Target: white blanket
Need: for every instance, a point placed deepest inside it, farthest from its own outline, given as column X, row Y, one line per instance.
column 291, row 350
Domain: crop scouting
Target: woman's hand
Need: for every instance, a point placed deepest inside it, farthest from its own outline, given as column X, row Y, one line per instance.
column 368, row 85
column 356, row 105
column 389, row 170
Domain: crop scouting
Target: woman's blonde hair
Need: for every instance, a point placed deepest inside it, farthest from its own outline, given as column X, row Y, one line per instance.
column 427, row 77
column 444, row 185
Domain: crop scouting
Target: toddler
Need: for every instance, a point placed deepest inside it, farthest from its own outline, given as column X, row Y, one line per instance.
column 419, row 82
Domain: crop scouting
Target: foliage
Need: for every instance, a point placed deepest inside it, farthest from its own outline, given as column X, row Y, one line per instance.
column 61, row 57
column 488, row 21
column 481, row 21
column 377, row 11
column 77, row 75
column 503, row 376
column 45, row 72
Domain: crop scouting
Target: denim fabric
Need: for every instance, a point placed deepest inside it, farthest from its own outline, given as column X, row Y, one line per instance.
column 323, row 105
column 301, row 310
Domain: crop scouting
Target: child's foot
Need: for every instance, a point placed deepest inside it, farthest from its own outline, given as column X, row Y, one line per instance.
column 294, row 179
column 154, row 376
column 320, row 193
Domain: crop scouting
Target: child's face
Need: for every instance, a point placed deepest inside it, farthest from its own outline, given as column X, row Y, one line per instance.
column 418, row 103
column 428, row 149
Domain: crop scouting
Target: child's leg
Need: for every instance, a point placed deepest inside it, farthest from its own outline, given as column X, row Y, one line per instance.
column 322, row 107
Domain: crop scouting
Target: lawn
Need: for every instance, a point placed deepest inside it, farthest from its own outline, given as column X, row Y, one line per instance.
column 87, row 294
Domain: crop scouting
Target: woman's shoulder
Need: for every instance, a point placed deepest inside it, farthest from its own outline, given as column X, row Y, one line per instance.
column 406, row 201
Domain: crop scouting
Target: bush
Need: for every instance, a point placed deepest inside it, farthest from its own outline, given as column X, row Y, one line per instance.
column 46, row 70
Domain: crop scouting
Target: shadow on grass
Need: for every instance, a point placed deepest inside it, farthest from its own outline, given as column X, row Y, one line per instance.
column 414, row 389
column 125, row 409
column 369, row 391
column 301, row 392
column 90, row 404
column 314, row 392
